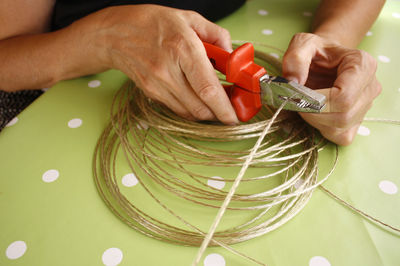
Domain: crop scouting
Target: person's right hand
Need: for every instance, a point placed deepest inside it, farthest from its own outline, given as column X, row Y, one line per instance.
column 161, row 49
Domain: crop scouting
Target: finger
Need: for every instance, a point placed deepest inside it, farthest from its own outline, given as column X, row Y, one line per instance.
column 163, row 96
column 342, row 137
column 188, row 98
column 202, row 78
column 334, row 118
column 297, row 59
column 355, row 75
column 210, row 32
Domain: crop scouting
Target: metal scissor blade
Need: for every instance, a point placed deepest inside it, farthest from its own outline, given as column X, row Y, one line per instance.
column 276, row 90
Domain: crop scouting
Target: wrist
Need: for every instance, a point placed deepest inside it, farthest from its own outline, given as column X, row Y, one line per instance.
column 83, row 49
column 333, row 36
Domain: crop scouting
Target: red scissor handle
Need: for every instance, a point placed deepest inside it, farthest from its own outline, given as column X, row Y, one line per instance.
column 240, row 69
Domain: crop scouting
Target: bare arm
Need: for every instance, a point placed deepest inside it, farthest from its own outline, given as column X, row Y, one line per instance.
column 33, row 58
column 159, row 48
column 346, row 21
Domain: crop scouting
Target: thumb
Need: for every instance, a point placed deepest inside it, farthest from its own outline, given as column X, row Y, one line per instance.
column 297, row 59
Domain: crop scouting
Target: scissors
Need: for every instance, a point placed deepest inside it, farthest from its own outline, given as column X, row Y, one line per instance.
column 252, row 86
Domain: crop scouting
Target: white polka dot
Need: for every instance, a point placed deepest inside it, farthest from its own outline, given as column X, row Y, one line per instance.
column 12, row 122
column 388, row 187
column 319, row 261
column 16, row 250
column 398, row 89
column 363, row 131
column 215, row 183
column 307, row 14
column 267, row 31
column 262, row 12
column 50, row 175
column 112, row 257
column 274, row 55
column 129, row 180
column 298, row 183
column 74, row 123
column 94, row 83
column 396, row 15
column 142, row 125
column 369, row 33
column 214, row 259
column 384, row 58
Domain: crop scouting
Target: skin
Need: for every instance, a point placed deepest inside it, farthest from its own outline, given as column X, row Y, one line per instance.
column 328, row 61
column 160, row 49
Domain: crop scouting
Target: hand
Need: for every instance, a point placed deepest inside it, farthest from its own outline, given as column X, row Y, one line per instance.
column 346, row 76
column 160, row 49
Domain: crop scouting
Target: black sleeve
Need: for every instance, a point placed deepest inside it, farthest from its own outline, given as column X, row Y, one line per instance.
column 67, row 11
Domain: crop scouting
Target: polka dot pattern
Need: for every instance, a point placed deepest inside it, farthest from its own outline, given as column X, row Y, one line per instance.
column 94, row 83
column 214, row 259
column 12, row 122
column 363, row 131
column 112, row 257
column 215, row 183
column 369, row 33
column 262, row 12
column 396, row 15
column 267, row 31
column 129, row 180
column 50, row 176
column 388, row 187
column 75, row 123
column 16, row 250
column 383, row 58
column 319, row 261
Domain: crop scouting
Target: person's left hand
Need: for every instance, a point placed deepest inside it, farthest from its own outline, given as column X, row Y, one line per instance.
column 346, row 76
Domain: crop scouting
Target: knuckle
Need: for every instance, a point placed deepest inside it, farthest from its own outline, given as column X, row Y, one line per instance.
column 346, row 138
column 224, row 33
column 175, row 42
column 207, row 92
column 344, row 120
column 293, row 55
column 346, row 102
column 369, row 106
column 378, row 89
column 202, row 113
column 305, row 37
column 192, row 14
column 342, row 99
column 184, row 113
column 160, row 72
column 338, row 136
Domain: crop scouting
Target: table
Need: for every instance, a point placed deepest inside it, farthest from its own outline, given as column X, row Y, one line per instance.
column 51, row 213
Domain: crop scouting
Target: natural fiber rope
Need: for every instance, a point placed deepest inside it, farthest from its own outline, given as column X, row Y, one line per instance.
column 288, row 152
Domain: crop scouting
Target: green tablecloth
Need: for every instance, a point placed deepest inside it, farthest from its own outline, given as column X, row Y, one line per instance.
column 51, row 213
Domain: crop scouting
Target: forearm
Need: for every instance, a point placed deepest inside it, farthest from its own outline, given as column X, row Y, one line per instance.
column 346, row 21
column 40, row 60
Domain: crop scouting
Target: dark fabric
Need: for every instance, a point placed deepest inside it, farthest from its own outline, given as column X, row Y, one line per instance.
column 12, row 103
column 67, row 11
